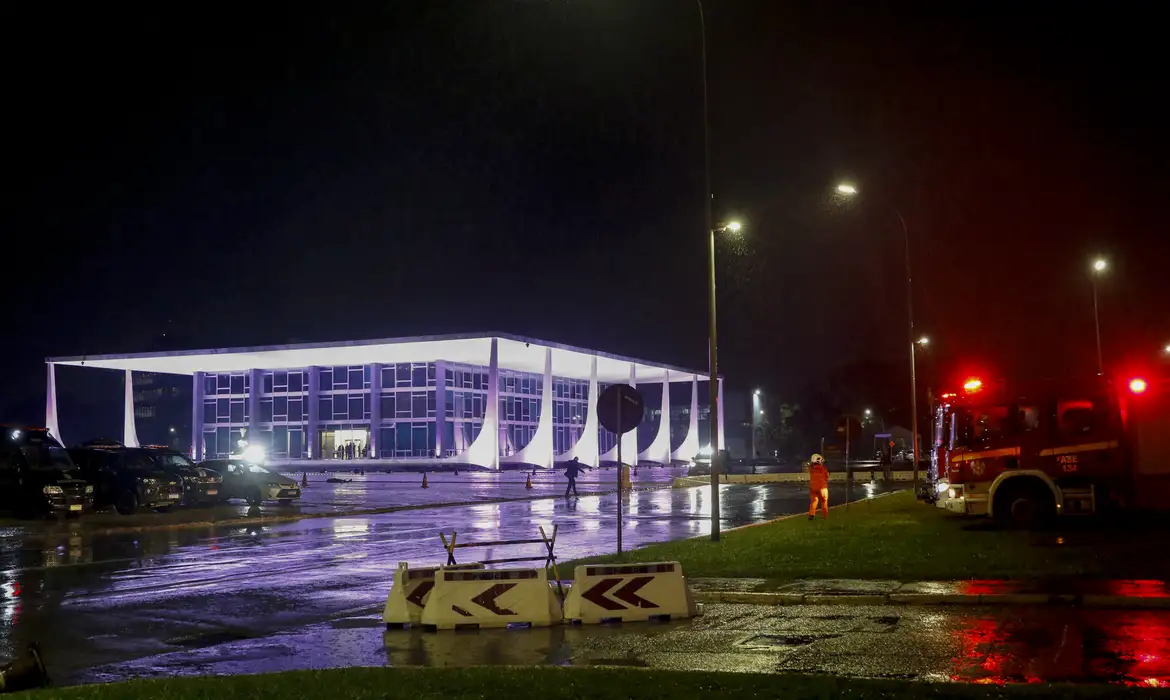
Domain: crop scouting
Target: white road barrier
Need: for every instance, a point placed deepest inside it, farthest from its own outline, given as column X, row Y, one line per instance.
column 629, row 593
column 410, row 591
column 484, row 599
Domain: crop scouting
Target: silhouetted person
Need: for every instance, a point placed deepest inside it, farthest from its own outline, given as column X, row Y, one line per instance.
column 572, row 470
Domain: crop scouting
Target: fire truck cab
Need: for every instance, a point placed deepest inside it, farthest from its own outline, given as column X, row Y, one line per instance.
column 1026, row 452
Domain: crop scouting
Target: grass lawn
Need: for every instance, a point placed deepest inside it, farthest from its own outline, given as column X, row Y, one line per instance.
column 896, row 537
column 553, row 684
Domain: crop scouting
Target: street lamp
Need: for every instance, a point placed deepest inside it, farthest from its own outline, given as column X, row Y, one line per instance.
column 850, row 190
column 924, row 341
column 713, row 350
column 1166, row 349
column 1099, row 268
column 868, row 413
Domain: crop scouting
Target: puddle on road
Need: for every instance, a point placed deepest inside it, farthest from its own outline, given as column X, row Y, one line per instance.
column 784, row 641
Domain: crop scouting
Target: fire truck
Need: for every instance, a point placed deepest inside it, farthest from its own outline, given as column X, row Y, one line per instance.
column 1026, row 452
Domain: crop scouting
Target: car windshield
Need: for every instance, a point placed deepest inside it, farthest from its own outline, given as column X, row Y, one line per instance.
column 40, row 450
column 46, row 456
column 173, row 461
column 253, row 469
column 138, row 463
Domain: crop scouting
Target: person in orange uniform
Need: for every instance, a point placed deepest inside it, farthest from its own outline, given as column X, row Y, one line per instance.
column 818, row 487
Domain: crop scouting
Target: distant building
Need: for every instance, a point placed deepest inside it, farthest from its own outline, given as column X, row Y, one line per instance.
column 481, row 400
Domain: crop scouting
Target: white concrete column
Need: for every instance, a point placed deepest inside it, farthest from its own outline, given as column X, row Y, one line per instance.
column 586, row 448
column 440, row 407
column 539, row 450
column 485, row 450
column 129, row 434
column 659, row 449
column 197, row 416
column 630, row 439
column 51, row 404
column 375, row 407
column 690, row 444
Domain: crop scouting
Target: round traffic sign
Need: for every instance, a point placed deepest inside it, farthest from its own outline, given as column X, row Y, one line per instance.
column 619, row 408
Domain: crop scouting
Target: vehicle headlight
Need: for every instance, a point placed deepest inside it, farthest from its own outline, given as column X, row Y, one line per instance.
column 149, row 481
column 276, row 486
column 52, row 490
column 942, row 487
column 89, row 489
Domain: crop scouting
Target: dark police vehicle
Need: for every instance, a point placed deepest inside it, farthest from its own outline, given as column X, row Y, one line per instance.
column 36, row 475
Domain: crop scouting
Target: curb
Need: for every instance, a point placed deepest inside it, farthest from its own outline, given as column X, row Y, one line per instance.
column 1088, row 600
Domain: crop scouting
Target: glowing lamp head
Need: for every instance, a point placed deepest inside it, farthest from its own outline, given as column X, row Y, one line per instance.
column 734, row 226
column 253, row 454
column 1137, row 385
column 1099, row 265
column 846, row 188
column 972, row 385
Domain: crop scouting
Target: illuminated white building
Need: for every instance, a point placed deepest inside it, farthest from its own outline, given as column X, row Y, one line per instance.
column 478, row 400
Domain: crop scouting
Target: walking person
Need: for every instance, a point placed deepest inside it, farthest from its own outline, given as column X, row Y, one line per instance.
column 818, row 487
column 572, row 470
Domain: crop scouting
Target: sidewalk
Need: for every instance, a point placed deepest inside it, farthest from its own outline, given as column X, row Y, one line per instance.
column 1139, row 594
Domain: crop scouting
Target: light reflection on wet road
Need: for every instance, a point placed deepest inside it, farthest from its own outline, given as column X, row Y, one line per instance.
column 941, row 644
column 97, row 599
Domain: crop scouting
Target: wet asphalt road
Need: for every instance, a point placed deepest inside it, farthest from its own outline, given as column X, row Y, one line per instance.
column 96, row 598
column 363, row 493
column 957, row 644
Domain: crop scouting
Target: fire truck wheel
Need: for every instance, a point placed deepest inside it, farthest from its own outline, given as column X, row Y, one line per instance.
column 1024, row 505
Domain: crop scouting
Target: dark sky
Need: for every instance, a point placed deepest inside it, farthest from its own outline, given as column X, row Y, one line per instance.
column 234, row 177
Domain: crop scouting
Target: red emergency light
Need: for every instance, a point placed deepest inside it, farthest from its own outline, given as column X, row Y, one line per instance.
column 972, row 385
column 1137, row 385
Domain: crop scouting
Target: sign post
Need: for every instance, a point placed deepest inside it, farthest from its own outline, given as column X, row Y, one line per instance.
column 619, row 410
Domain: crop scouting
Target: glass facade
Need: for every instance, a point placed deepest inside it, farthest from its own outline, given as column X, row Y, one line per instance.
column 416, row 410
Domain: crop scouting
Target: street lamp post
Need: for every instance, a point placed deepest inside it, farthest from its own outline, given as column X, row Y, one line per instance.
column 713, row 350
column 757, row 414
column 712, row 339
column 851, row 191
column 1099, row 266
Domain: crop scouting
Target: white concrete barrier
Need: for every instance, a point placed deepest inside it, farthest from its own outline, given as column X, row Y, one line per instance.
column 410, row 591
column 496, row 598
column 629, row 593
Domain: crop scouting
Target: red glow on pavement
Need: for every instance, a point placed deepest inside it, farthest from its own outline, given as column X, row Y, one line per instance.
column 1139, row 588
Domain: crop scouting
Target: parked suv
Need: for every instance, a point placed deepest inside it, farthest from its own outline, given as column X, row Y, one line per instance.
column 200, row 486
column 36, row 475
column 253, row 483
column 126, row 478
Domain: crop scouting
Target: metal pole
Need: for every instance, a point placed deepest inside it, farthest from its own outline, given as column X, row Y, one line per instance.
column 713, row 391
column 620, row 472
column 848, row 474
column 755, row 424
column 1097, row 324
column 910, row 331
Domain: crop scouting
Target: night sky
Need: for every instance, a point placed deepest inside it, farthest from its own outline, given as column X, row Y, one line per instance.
column 231, row 177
